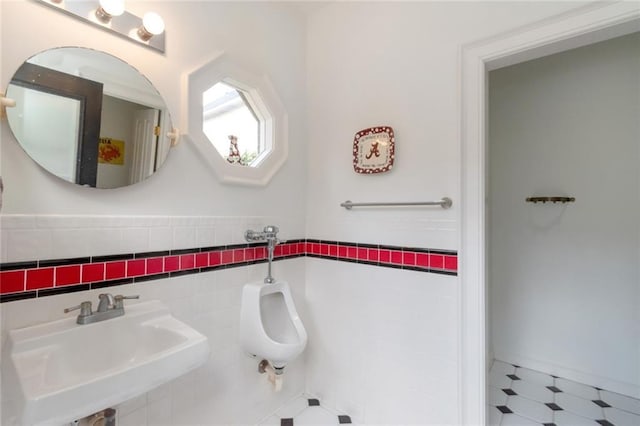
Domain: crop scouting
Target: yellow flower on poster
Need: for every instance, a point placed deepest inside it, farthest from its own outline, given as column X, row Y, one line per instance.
column 111, row 151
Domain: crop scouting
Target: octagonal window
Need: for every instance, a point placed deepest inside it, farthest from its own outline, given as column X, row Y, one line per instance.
column 232, row 123
column 237, row 122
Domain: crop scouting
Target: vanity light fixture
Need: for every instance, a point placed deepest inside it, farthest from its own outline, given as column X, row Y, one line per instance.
column 111, row 15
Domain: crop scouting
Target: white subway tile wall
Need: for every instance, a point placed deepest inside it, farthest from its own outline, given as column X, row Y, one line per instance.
column 368, row 336
column 26, row 237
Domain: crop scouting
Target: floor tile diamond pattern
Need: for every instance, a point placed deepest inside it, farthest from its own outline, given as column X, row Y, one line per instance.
column 304, row 411
column 521, row 396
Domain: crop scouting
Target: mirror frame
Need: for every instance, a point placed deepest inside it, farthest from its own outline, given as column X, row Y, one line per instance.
column 259, row 88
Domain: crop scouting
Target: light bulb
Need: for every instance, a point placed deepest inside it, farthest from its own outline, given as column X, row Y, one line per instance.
column 153, row 23
column 113, row 7
column 109, row 9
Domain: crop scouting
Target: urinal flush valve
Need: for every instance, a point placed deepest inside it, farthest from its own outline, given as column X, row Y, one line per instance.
column 270, row 235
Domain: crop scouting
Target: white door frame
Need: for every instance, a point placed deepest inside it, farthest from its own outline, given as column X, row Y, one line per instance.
column 586, row 25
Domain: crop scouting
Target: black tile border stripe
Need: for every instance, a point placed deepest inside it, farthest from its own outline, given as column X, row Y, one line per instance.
column 63, row 290
column 292, row 241
column 153, row 277
column 63, row 262
column 183, row 251
column 184, row 272
column 443, row 252
column 420, row 250
column 211, row 268
column 12, row 297
column 152, row 254
column 112, row 283
column 236, row 246
column 372, row 246
column 111, row 257
column 11, row 266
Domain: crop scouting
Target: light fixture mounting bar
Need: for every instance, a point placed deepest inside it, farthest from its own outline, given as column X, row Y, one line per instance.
column 125, row 25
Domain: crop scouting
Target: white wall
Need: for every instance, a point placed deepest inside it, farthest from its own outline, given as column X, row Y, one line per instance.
column 391, row 356
column 266, row 36
column 565, row 279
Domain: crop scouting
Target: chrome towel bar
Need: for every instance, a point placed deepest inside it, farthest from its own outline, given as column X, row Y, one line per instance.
column 445, row 203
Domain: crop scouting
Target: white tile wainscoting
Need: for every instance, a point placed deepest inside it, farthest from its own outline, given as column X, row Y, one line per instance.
column 220, row 391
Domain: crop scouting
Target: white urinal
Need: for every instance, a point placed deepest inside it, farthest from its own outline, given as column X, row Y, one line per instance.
column 270, row 327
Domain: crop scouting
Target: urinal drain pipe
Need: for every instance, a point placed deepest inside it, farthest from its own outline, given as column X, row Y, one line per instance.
column 274, row 374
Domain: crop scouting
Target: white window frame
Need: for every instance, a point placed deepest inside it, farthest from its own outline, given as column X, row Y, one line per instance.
column 263, row 97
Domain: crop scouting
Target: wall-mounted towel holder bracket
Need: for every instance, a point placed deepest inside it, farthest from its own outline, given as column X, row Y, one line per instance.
column 554, row 200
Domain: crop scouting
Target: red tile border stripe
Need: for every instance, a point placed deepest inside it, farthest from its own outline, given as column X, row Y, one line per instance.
column 29, row 279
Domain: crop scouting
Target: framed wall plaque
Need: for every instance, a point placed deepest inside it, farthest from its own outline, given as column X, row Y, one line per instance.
column 373, row 150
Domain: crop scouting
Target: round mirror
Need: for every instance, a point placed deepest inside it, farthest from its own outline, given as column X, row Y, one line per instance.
column 89, row 117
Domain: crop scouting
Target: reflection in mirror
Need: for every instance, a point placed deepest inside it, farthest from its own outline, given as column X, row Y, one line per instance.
column 233, row 124
column 89, row 117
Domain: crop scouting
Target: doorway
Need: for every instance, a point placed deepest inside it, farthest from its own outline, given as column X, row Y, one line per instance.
column 563, row 275
column 583, row 26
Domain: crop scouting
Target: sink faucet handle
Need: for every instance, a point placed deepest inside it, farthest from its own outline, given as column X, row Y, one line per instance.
column 119, row 298
column 85, row 309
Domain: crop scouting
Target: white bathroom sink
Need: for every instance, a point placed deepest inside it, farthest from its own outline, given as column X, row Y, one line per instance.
column 65, row 371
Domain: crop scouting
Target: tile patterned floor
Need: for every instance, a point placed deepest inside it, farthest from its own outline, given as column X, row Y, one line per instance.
column 519, row 396
column 304, row 411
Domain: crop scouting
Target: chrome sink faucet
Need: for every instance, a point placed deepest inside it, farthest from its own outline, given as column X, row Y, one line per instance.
column 106, row 302
column 109, row 306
